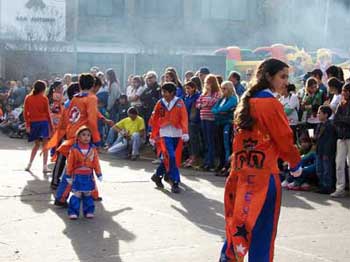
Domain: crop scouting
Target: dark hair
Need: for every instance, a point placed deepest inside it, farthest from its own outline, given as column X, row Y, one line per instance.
column 271, row 67
column 335, row 83
column 235, row 75
column 39, row 87
column 291, row 88
column 98, row 81
column 326, row 110
column 73, row 89
column 191, row 84
column 123, row 97
column 52, row 89
column 86, row 81
column 311, row 81
column 317, row 73
column 132, row 111
column 220, row 79
column 169, row 86
column 112, row 77
column 197, row 81
column 346, row 86
column 335, row 71
column 172, row 72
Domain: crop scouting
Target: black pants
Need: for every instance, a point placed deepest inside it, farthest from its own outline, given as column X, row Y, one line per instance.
column 58, row 170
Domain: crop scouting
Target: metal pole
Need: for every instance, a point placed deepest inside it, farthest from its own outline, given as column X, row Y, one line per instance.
column 326, row 23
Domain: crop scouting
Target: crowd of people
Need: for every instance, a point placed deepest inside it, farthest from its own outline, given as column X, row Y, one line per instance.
column 318, row 114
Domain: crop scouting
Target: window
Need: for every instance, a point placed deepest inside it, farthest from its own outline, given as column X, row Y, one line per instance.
column 160, row 8
column 105, row 8
column 224, row 9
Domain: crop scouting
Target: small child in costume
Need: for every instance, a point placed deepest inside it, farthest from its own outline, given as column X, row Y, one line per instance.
column 82, row 161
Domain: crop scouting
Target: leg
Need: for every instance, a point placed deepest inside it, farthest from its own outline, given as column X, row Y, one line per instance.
column 58, row 170
column 265, row 229
column 135, row 143
column 33, row 154
column 227, row 142
column 119, row 145
column 63, row 191
column 45, row 157
column 171, row 144
column 340, row 165
column 74, row 205
column 110, row 137
column 206, row 142
column 210, row 138
column 320, row 171
column 88, row 205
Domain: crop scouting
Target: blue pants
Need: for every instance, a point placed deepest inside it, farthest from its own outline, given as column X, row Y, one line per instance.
column 75, row 202
column 63, row 189
column 208, row 128
column 325, row 172
column 264, row 231
column 174, row 174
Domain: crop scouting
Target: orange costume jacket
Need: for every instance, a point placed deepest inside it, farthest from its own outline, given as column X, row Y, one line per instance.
column 162, row 117
column 82, row 111
column 78, row 163
column 254, row 160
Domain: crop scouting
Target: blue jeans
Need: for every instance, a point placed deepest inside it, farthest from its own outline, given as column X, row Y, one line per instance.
column 308, row 163
column 208, row 128
column 324, row 171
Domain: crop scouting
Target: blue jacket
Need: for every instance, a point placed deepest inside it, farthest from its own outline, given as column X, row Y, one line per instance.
column 224, row 114
column 326, row 139
column 180, row 92
column 192, row 111
column 239, row 89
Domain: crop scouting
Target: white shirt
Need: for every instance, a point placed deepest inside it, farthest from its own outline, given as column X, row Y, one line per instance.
column 131, row 92
column 169, row 130
column 334, row 104
column 291, row 102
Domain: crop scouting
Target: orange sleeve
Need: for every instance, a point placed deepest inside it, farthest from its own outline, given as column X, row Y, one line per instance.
column 275, row 120
column 154, row 121
column 184, row 119
column 70, row 162
column 93, row 118
column 96, row 162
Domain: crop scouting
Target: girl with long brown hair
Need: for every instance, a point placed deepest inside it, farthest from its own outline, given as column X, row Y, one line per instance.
column 253, row 188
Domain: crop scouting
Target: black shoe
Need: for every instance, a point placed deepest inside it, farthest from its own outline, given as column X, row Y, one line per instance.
column 168, row 179
column 61, row 204
column 324, row 191
column 158, row 180
column 175, row 188
column 98, row 199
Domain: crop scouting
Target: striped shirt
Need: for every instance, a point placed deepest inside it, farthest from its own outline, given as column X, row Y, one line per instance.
column 205, row 103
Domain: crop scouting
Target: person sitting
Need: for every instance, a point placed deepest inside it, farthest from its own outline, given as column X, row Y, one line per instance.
column 130, row 130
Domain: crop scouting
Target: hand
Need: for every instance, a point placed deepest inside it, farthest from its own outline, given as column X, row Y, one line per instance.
column 152, row 142
column 297, row 173
column 100, row 178
column 69, row 181
column 185, row 137
column 109, row 122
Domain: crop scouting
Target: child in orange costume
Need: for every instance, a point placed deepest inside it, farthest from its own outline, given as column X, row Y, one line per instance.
column 169, row 124
column 82, row 161
column 38, row 121
column 253, row 189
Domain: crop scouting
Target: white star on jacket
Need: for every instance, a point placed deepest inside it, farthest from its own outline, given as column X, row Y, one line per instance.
column 241, row 249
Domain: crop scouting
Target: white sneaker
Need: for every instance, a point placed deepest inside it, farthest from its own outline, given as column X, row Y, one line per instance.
column 156, row 162
column 338, row 193
column 284, row 184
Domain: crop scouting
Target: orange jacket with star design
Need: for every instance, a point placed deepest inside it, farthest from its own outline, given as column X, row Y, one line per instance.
column 254, row 160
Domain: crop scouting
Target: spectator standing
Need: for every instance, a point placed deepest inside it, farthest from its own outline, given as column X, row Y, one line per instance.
column 311, row 101
column 335, row 87
column 235, row 78
column 211, row 94
column 342, row 125
column 171, row 76
column 134, row 93
column 113, row 94
column 223, row 111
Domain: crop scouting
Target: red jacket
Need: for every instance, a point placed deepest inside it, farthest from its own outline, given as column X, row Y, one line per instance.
column 36, row 108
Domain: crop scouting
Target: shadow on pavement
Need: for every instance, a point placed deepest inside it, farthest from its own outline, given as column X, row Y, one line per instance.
column 205, row 213
column 92, row 240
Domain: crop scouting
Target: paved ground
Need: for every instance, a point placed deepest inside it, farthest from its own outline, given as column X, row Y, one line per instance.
column 136, row 222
